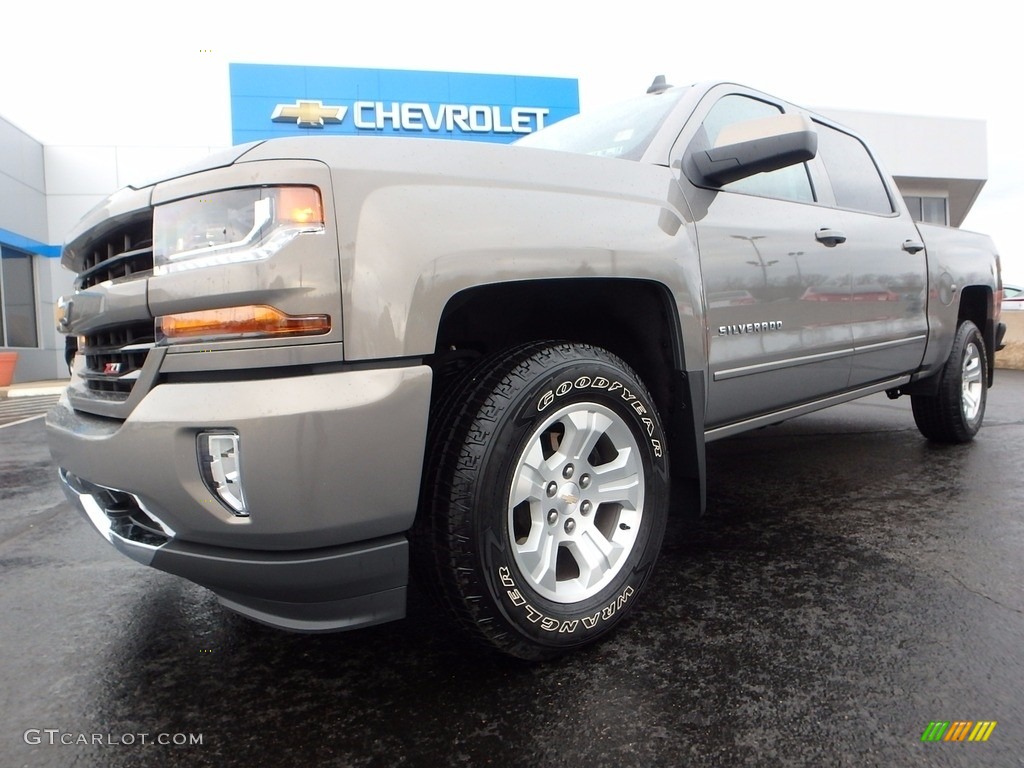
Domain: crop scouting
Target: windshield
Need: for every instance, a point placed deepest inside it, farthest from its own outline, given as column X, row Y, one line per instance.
column 619, row 130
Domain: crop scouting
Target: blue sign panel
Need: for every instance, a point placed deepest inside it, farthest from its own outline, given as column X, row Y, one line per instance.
column 270, row 101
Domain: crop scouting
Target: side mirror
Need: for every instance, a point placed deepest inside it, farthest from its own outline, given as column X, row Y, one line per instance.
column 755, row 146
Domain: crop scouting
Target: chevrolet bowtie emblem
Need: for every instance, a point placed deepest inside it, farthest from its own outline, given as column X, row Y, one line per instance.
column 308, row 114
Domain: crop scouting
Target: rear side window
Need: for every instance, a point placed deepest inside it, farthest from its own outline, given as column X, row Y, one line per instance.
column 855, row 179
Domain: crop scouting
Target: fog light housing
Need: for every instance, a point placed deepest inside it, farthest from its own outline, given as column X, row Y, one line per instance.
column 220, row 464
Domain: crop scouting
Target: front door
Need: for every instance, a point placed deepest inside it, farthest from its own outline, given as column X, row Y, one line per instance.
column 777, row 294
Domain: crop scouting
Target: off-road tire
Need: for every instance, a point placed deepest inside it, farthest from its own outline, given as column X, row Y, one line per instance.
column 534, row 548
column 955, row 413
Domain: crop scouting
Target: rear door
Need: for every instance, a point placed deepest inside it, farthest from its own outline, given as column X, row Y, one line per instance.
column 884, row 254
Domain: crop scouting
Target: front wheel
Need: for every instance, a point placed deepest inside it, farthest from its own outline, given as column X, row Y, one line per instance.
column 954, row 415
column 548, row 497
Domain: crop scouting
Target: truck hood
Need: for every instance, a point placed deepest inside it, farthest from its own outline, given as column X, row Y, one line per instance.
column 219, row 159
column 387, row 160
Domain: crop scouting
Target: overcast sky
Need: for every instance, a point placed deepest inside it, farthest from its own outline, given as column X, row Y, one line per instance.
column 156, row 73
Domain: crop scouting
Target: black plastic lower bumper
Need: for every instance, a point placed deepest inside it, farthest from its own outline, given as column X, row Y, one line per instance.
column 318, row 590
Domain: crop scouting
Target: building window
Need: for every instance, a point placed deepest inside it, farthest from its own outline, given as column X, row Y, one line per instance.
column 930, row 210
column 17, row 299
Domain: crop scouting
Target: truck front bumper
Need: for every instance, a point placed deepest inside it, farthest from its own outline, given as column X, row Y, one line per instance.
column 331, row 467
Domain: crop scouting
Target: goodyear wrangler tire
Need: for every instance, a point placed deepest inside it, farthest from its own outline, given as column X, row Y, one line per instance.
column 954, row 415
column 547, row 499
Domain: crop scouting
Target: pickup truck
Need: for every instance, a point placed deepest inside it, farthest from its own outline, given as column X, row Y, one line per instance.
column 309, row 364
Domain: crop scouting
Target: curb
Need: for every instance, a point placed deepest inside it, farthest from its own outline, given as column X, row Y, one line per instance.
column 33, row 389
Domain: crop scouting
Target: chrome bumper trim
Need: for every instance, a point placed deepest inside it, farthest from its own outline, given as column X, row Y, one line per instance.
column 84, row 497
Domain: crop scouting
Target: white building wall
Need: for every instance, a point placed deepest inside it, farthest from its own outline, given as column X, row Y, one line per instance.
column 22, row 184
column 23, row 213
column 915, row 145
column 80, row 177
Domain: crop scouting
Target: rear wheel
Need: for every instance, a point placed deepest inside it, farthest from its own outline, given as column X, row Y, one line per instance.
column 548, row 497
column 954, row 415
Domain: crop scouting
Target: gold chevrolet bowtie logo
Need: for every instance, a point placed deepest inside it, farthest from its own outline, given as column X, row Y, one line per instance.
column 308, row 114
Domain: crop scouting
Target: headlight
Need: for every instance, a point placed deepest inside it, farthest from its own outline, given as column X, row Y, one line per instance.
column 233, row 225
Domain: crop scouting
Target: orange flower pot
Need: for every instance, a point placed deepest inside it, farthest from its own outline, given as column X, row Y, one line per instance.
column 7, row 362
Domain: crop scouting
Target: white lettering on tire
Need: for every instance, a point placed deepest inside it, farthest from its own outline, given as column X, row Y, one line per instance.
column 585, row 382
column 561, row 626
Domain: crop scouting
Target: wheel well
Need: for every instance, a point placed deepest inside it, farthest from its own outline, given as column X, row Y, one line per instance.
column 976, row 305
column 633, row 319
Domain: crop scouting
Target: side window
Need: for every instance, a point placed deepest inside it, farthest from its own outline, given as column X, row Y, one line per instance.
column 855, row 179
column 790, row 183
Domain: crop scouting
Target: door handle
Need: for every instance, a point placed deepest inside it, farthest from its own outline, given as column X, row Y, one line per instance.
column 913, row 246
column 830, row 237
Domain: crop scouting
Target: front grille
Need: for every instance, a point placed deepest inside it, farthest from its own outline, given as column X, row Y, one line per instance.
column 114, row 357
column 125, row 253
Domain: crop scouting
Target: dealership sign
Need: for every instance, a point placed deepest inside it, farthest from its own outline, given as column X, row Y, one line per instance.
column 269, row 101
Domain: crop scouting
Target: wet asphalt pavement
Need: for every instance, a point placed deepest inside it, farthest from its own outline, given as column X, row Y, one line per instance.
column 850, row 584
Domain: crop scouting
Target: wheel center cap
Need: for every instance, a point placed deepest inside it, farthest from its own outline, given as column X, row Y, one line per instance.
column 569, row 495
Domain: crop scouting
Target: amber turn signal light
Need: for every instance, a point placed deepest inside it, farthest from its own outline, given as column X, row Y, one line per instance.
column 299, row 205
column 239, row 322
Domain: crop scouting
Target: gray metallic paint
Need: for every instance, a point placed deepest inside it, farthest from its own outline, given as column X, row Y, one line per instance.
column 334, row 456
column 957, row 258
column 519, row 214
column 314, row 452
